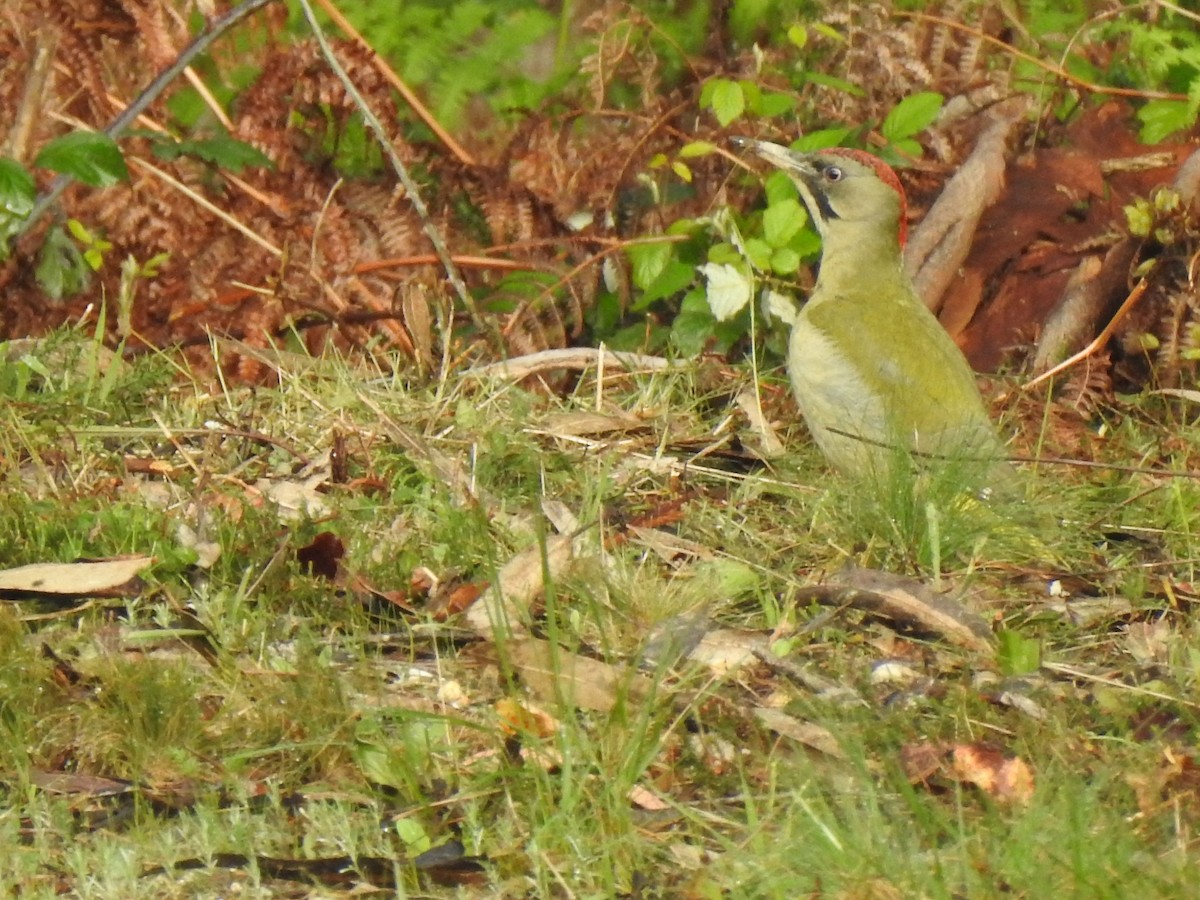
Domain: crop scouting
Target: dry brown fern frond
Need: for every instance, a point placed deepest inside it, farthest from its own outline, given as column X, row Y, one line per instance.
column 258, row 253
column 890, row 57
column 622, row 52
column 1088, row 389
column 1178, row 336
column 296, row 104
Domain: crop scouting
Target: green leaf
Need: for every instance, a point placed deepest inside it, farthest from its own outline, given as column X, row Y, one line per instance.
column 759, row 253
column 1017, row 654
column 17, row 188
column 822, row 139
column 80, row 232
column 829, row 31
column 61, row 270
column 782, row 221
column 696, row 148
column 798, row 36
column 684, row 226
column 695, row 325
column 412, row 833
column 605, row 314
column 648, row 261
column 1193, row 93
column 751, row 93
column 674, row 277
column 746, row 17
column 912, row 115
column 778, row 187
column 728, row 101
column 724, row 253
column 641, row 336
column 89, row 156
column 772, row 104
column 1161, row 118
column 785, row 261
column 807, row 244
column 838, row 84
column 696, row 330
column 17, row 194
column 223, row 151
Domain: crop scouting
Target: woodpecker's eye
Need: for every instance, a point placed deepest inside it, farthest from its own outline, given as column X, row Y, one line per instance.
column 833, row 173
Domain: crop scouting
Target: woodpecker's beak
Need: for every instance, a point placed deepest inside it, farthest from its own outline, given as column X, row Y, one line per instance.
column 799, row 168
column 777, row 155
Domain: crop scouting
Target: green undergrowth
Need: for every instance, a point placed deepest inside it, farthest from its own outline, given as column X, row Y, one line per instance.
column 243, row 705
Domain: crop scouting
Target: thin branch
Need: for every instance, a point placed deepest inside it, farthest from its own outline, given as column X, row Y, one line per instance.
column 466, row 262
column 1101, row 338
column 247, row 232
column 118, row 125
column 570, row 358
column 411, row 188
column 395, row 81
column 1057, row 71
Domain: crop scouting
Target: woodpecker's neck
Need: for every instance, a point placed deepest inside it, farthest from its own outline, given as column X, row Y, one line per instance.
column 859, row 260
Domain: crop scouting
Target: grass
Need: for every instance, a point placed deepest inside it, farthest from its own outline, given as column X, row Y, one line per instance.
column 243, row 706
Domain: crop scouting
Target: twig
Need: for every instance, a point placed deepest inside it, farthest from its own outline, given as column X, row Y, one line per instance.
column 247, row 232
column 1057, row 71
column 569, row 358
column 31, row 101
column 466, row 262
column 411, row 188
column 1073, row 672
column 564, row 280
column 118, row 125
column 395, row 81
column 1101, row 338
column 1103, row 466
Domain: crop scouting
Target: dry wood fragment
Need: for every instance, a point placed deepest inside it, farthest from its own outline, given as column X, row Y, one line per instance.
column 905, row 601
column 938, row 247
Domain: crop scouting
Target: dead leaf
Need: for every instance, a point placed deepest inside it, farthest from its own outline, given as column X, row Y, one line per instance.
column 74, row 581
column 770, row 445
column 671, row 548
column 323, row 556
column 518, row 718
column 1176, row 782
column 675, row 637
column 1006, row 778
column 207, row 552
column 726, row 650
column 588, row 423
column 78, row 783
column 297, row 499
column 504, row 605
column 553, row 674
column 645, row 799
column 807, row 733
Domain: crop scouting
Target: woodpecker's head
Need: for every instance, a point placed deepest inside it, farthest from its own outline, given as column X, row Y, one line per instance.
column 840, row 187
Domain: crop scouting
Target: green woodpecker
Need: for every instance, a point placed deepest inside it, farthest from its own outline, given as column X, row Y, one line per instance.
column 872, row 368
